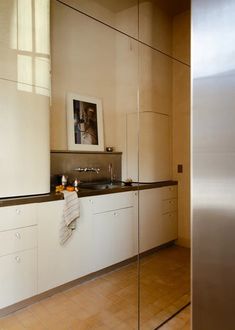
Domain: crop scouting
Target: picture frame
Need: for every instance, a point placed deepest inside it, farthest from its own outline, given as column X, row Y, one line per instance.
column 84, row 123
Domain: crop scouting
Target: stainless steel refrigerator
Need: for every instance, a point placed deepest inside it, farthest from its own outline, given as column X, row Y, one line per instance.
column 213, row 164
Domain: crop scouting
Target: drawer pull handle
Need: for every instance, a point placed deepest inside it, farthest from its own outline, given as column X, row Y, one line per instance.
column 17, row 258
column 18, row 211
column 17, row 235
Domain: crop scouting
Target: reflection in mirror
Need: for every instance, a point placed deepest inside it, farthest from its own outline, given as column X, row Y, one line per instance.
column 164, row 121
column 144, row 89
column 156, row 20
column 92, row 59
column 121, row 15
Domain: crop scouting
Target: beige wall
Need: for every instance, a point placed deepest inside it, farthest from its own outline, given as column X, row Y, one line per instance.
column 181, row 121
column 91, row 59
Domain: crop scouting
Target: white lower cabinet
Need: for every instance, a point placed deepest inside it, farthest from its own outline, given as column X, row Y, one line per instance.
column 18, row 277
column 100, row 239
column 32, row 260
column 169, row 218
column 169, row 227
column 18, row 254
column 114, row 236
column 59, row 264
column 149, row 218
column 158, row 217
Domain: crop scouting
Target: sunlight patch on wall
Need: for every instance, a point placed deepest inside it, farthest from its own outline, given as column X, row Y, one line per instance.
column 42, row 26
column 25, row 26
column 30, row 37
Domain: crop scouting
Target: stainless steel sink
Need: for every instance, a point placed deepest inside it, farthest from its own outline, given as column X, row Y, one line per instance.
column 100, row 185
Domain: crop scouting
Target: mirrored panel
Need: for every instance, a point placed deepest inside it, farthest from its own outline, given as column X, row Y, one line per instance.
column 121, row 15
column 157, row 21
column 119, row 134
column 96, row 65
column 164, row 167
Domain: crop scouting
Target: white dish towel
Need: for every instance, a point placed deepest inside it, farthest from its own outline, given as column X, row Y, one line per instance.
column 71, row 213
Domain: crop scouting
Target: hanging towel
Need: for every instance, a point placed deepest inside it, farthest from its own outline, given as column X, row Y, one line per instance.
column 71, row 213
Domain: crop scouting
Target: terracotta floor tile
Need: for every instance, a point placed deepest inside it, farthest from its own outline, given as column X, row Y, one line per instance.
column 110, row 301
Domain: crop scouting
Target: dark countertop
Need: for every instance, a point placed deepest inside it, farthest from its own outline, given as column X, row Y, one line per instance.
column 10, row 201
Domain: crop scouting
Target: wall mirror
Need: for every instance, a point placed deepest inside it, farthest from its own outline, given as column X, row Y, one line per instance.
column 135, row 58
column 132, row 256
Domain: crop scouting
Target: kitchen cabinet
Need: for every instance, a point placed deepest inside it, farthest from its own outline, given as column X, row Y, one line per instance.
column 18, row 254
column 169, row 219
column 149, row 218
column 114, row 236
column 24, row 98
column 158, row 217
column 106, row 233
column 18, row 277
column 59, row 264
column 32, row 260
column 149, row 147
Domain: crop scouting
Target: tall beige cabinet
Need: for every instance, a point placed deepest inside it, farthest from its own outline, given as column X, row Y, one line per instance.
column 24, row 97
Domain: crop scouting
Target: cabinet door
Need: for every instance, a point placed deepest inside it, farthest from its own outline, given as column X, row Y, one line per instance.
column 169, row 227
column 149, row 219
column 18, row 277
column 114, row 237
column 59, row 264
column 154, row 147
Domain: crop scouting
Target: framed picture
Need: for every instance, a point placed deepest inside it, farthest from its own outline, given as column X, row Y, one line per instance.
column 84, row 123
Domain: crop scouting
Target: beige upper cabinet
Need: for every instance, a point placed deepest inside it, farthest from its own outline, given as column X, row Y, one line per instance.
column 24, row 97
column 181, row 37
column 121, row 15
column 158, row 20
column 149, row 153
column 155, row 25
column 155, row 81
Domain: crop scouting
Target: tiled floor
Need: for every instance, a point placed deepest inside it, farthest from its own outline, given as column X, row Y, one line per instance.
column 110, row 301
column 180, row 322
column 164, row 285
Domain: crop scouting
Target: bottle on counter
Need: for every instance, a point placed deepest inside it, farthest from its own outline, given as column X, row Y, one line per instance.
column 75, row 184
column 64, row 180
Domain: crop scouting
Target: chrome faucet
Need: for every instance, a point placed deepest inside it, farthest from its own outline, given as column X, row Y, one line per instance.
column 87, row 169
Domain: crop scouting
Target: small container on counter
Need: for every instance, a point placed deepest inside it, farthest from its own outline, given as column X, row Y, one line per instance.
column 75, row 184
column 64, row 180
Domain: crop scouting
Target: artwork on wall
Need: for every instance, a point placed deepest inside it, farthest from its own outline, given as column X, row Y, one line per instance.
column 84, row 123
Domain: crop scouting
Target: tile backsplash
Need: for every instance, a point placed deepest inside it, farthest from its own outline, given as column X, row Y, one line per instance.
column 64, row 162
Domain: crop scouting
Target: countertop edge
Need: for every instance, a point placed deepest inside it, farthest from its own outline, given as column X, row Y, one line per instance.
column 50, row 197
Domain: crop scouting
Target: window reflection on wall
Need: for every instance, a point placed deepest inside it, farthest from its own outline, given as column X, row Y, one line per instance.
column 30, row 38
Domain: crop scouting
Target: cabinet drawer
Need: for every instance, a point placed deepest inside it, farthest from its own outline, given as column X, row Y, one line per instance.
column 12, row 217
column 169, row 227
column 17, row 277
column 20, row 239
column 169, row 192
column 111, row 202
column 169, row 205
